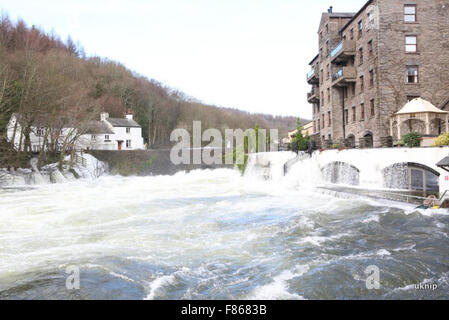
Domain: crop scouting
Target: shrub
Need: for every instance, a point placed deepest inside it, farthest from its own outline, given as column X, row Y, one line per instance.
column 412, row 140
column 442, row 140
column 336, row 146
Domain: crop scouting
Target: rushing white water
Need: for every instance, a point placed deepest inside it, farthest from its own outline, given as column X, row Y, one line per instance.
column 214, row 235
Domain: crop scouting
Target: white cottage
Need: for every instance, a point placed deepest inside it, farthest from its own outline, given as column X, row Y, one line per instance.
column 106, row 134
column 127, row 134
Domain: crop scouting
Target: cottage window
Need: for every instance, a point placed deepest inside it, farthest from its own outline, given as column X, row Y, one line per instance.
column 39, row 132
column 410, row 13
column 128, row 143
column 106, row 138
column 128, row 130
column 93, row 137
column 411, row 43
column 412, row 74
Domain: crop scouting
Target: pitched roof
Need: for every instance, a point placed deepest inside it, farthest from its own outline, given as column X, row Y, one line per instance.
column 123, row 123
column 97, row 127
column 341, row 14
column 419, row 105
column 355, row 15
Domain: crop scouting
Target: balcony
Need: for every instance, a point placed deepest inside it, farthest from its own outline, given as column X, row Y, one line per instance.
column 344, row 77
column 313, row 96
column 313, row 77
column 344, row 51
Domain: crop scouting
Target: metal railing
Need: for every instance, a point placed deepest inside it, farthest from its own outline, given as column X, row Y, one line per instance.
column 80, row 160
column 311, row 73
column 337, row 75
column 337, row 49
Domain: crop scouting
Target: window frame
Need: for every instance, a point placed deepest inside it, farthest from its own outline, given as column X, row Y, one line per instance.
column 415, row 15
column 408, row 45
column 407, row 75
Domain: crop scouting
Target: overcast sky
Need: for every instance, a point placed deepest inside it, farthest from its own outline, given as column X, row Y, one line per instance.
column 247, row 54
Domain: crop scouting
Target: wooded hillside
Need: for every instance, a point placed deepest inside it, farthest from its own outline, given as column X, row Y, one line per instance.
column 41, row 75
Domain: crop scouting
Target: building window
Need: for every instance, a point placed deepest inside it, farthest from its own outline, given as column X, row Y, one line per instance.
column 362, row 83
column 371, row 78
column 93, row 137
column 353, row 90
column 354, row 115
column 128, row 130
column 370, row 47
column 373, row 111
column 411, row 43
column 128, row 143
column 351, row 33
column 328, row 72
column 327, row 28
column 322, row 98
column 346, row 116
column 412, row 74
column 322, row 119
column 361, row 56
column 362, row 112
column 39, row 132
column 327, row 47
column 328, row 95
column 329, row 118
column 360, row 28
column 106, row 138
column 371, row 18
column 410, row 13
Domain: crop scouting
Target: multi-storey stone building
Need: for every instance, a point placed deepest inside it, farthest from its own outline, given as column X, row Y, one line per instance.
column 372, row 62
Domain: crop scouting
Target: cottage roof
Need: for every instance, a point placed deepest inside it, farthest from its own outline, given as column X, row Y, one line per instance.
column 98, row 127
column 419, row 105
column 123, row 123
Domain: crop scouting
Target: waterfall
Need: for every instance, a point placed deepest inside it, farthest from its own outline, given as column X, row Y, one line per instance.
column 389, row 168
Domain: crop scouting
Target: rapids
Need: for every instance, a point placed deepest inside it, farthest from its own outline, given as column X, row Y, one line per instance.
column 215, row 235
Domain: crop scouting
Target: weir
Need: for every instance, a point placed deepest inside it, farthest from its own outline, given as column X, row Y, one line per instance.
column 410, row 171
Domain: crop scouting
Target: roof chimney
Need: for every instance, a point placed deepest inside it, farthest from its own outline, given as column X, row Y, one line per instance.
column 331, row 9
column 129, row 114
column 104, row 116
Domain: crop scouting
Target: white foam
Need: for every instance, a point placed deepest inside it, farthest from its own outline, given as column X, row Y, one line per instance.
column 158, row 284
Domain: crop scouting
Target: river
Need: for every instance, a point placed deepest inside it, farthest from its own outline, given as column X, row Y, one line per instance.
column 214, row 235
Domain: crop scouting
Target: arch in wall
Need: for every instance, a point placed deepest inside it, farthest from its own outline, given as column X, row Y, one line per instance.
column 341, row 173
column 367, row 140
column 350, row 141
column 411, row 176
column 413, row 125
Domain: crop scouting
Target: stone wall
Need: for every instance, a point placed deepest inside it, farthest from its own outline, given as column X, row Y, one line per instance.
column 145, row 163
column 388, row 62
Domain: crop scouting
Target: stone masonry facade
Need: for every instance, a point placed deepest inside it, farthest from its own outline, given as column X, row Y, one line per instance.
column 371, row 63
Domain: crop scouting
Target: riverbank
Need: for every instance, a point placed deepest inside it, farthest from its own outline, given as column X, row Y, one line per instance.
column 88, row 167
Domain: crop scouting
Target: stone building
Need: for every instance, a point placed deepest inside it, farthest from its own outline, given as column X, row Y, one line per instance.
column 371, row 63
